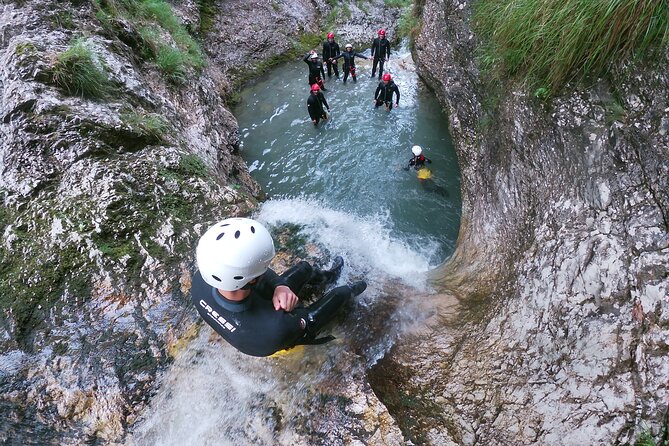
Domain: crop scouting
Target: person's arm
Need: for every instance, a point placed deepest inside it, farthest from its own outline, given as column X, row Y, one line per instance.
column 338, row 56
column 360, row 55
column 373, row 47
column 337, row 50
column 310, row 109
column 325, row 47
column 272, row 279
column 397, row 91
column 388, row 52
column 322, row 72
column 324, row 101
column 376, row 93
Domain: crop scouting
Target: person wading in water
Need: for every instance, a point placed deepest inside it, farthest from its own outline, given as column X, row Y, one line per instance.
column 349, row 61
column 315, row 103
column 384, row 93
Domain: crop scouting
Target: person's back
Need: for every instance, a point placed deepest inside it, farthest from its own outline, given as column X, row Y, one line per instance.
column 248, row 304
column 254, row 326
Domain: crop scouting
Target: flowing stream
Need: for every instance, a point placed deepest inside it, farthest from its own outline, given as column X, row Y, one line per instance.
column 344, row 183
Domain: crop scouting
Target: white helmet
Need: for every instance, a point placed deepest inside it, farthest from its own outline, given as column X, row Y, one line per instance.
column 314, row 56
column 416, row 150
column 233, row 252
column 348, row 45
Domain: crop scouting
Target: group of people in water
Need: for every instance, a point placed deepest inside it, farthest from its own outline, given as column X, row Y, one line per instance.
column 317, row 105
column 253, row 308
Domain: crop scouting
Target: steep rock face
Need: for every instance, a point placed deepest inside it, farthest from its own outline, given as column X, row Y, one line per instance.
column 561, row 261
column 101, row 208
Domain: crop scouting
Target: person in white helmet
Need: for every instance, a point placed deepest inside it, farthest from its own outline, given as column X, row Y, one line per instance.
column 257, row 311
column 316, row 71
column 349, row 61
column 418, row 159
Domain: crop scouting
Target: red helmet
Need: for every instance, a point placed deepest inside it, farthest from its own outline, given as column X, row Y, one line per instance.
column 382, row 32
column 315, row 87
column 330, row 35
column 387, row 77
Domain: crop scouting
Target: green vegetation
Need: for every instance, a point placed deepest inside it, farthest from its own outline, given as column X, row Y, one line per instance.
column 647, row 439
column 164, row 39
column 547, row 43
column 151, row 125
column 79, row 71
column 409, row 24
column 397, row 3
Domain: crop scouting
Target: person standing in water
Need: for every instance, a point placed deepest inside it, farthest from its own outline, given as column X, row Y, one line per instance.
column 418, row 160
column 315, row 105
column 330, row 51
column 316, row 72
column 384, row 93
column 380, row 52
column 254, row 309
column 349, row 61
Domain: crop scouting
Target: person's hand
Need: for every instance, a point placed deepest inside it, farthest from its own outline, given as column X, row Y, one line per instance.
column 284, row 298
column 314, row 121
column 312, row 52
column 397, row 105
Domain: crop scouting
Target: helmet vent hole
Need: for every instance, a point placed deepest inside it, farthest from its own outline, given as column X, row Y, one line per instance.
column 220, row 235
column 238, row 277
column 237, row 234
column 215, row 277
column 253, row 229
column 225, row 224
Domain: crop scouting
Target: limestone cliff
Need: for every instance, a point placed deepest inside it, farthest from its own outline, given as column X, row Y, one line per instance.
column 561, row 263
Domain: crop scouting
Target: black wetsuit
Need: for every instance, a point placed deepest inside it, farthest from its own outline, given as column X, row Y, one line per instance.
column 419, row 161
column 253, row 326
column 315, row 104
column 316, row 72
column 330, row 51
column 380, row 52
column 384, row 94
column 349, row 63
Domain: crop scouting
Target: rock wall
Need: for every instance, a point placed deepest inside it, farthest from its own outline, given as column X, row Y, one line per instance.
column 561, row 264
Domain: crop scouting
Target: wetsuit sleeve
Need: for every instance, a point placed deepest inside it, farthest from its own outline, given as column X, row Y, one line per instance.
column 397, row 91
column 325, row 48
column 306, row 58
column 360, row 55
column 337, row 51
column 270, row 280
column 338, row 56
column 323, row 100
column 388, row 52
column 373, row 47
column 378, row 90
column 322, row 72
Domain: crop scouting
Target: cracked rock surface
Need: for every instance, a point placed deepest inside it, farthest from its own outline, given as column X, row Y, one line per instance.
column 561, row 266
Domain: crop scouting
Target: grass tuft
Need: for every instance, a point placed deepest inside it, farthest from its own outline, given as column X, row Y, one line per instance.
column 169, row 44
column 550, row 42
column 79, row 71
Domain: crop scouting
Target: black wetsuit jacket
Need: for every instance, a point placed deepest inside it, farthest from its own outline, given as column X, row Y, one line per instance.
column 385, row 92
column 418, row 161
column 252, row 326
column 315, row 103
column 349, row 58
column 380, row 48
column 330, row 50
column 315, row 67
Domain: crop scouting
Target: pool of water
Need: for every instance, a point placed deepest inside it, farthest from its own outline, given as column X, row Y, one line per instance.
column 354, row 163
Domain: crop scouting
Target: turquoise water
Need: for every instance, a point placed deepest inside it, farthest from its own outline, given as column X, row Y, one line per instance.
column 354, row 162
